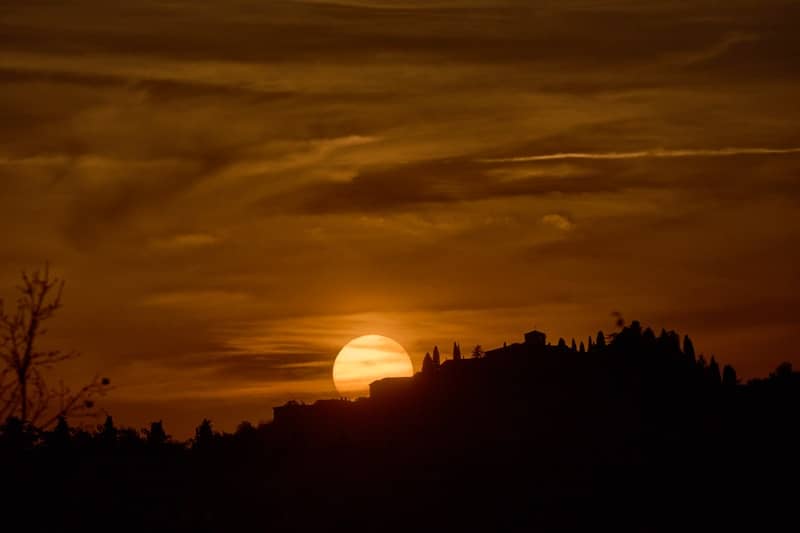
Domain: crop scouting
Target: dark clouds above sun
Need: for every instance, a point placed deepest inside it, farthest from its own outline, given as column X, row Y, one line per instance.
column 234, row 190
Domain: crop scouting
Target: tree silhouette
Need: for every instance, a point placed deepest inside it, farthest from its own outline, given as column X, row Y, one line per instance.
column 427, row 363
column 245, row 430
column 601, row 340
column 729, row 378
column 456, row 351
column 203, row 436
column 582, row 348
column 107, row 432
column 436, row 357
column 59, row 437
column 619, row 320
column 24, row 393
column 156, row 436
column 688, row 348
column 477, row 351
column 782, row 371
column 574, row 347
column 637, row 399
column 713, row 372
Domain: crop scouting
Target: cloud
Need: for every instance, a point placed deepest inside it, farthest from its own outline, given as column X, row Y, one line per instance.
column 716, row 50
column 560, row 222
column 187, row 241
column 226, row 185
column 431, row 182
column 645, row 154
column 197, row 299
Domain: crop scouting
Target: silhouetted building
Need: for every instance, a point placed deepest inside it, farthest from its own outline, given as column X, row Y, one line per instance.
column 536, row 338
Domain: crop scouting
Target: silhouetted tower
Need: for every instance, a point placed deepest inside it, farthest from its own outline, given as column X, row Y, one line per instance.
column 427, row 364
column 436, row 358
column 456, row 351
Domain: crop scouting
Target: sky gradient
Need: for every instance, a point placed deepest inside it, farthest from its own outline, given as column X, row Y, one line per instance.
column 234, row 190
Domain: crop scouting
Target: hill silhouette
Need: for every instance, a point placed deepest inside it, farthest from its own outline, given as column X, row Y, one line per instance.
column 631, row 432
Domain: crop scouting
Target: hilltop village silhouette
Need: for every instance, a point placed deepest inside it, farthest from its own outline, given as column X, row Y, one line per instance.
column 627, row 432
column 501, row 371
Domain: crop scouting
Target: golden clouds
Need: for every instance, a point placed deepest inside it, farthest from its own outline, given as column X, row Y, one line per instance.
column 202, row 172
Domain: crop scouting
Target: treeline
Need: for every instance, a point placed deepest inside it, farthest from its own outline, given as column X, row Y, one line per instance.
column 636, row 432
column 109, row 438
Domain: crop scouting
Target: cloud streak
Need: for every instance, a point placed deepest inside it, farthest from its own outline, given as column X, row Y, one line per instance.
column 647, row 154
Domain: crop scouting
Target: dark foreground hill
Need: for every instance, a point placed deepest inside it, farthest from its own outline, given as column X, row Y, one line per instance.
column 635, row 435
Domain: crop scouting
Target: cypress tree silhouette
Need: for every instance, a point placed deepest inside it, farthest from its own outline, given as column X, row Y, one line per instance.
column 436, row 358
column 456, row 351
column 562, row 344
column 427, row 364
column 601, row 340
column 582, row 348
column 108, row 433
column 574, row 346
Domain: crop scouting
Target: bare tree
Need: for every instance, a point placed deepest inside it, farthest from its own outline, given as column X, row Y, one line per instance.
column 477, row 351
column 24, row 393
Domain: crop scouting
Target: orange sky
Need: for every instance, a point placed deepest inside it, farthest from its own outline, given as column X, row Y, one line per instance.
column 234, row 190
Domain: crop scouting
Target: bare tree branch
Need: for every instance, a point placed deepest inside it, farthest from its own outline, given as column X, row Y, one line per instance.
column 24, row 393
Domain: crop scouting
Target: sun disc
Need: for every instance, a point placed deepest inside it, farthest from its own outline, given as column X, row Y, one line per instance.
column 366, row 359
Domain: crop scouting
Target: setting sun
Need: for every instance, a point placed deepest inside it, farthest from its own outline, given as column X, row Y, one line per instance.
column 366, row 359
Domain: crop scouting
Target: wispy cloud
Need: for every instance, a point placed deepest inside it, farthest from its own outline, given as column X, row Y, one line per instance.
column 186, row 241
column 644, row 154
column 558, row 221
column 716, row 50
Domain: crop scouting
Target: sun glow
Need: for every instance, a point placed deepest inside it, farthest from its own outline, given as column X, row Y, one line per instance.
column 366, row 359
